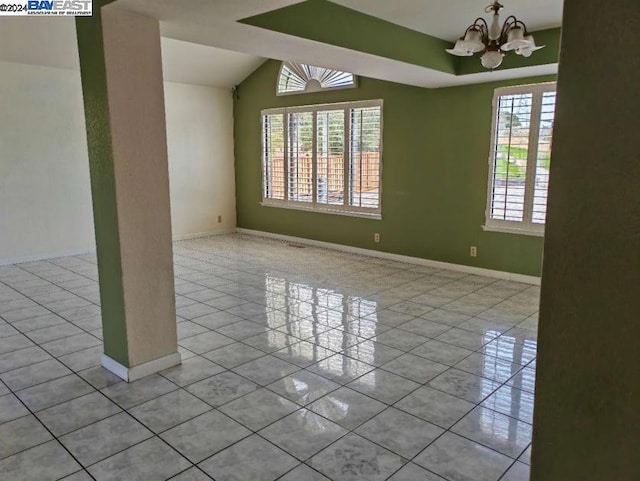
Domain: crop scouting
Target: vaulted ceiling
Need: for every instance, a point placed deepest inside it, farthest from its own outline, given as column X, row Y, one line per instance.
column 220, row 42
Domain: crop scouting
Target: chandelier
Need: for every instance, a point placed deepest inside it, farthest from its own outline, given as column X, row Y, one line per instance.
column 494, row 41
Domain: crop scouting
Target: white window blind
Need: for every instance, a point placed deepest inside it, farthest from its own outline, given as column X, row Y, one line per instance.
column 324, row 157
column 520, row 158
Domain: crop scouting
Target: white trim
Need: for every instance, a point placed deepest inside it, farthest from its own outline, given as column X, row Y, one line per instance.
column 134, row 373
column 321, row 210
column 198, row 235
column 513, row 230
column 44, row 257
column 510, row 276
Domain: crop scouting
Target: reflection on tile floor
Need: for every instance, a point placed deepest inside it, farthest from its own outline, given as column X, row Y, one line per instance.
column 298, row 364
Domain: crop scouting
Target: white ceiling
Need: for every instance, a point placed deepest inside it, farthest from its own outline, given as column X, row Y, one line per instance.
column 204, row 44
column 448, row 19
column 51, row 42
column 214, row 22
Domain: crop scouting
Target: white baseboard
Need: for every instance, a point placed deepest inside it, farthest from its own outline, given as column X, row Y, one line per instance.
column 134, row 373
column 198, row 235
column 510, row 276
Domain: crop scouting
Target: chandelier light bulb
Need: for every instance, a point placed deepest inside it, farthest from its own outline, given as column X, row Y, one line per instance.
column 491, row 59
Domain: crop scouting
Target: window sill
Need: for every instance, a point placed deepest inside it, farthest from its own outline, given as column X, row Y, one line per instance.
column 322, row 210
column 513, row 230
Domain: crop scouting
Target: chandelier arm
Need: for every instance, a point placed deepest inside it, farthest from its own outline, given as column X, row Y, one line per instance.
column 509, row 22
column 481, row 24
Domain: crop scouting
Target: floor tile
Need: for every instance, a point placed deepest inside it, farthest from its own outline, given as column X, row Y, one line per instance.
column 11, row 408
column 207, row 341
column 303, row 387
column 435, row 406
column 50, row 393
column 46, row 462
column 464, row 385
column 354, row 458
column 517, row 472
column 489, row 367
column 233, row 355
column 40, row 372
column 526, row 456
column 82, row 411
column 241, row 330
column 266, row 370
column 78, row 476
column 525, row 380
column 258, row 409
column 400, row 339
column 71, row 344
column 151, row 460
column 303, row 473
column 200, row 437
column 14, row 343
column 188, row 329
column 40, row 336
column 424, row 327
column 303, row 353
column 216, row 320
column 39, row 322
column 347, row 407
column 131, row 394
column 84, row 359
column 99, row 377
column 303, row 433
column 193, row 474
column 271, row 341
column 340, row 368
column 383, row 386
column 169, row 410
column 441, row 352
column 21, row 358
column 415, row 368
column 413, row 472
column 512, row 402
column 20, row 434
column 251, row 459
column 104, row 438
column 459, row 459
column 497, row 431
column 466, row 339
column 221, row 388
column 399, row 432
column 192, row 370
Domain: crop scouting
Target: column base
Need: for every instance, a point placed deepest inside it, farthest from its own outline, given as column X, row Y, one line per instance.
column 134, row 373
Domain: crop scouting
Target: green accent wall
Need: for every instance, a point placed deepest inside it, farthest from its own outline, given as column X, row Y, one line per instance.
column 586, row 423
column 434, row 181
column 103, row 189
column 333, row 24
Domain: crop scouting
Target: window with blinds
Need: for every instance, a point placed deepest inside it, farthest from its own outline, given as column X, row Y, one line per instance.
column 520, row 158
column 324, row 157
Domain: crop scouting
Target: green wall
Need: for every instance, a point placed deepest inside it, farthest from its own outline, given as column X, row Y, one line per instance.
column 586, row 424
column 434, row 181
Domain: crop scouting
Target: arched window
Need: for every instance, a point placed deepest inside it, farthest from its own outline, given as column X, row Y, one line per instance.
column 298, row 78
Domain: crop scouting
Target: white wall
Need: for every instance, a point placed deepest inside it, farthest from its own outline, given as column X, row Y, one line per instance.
column 45, row 200
column 201, row 159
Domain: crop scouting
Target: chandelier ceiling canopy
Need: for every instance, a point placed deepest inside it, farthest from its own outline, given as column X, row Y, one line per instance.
column 493, row 41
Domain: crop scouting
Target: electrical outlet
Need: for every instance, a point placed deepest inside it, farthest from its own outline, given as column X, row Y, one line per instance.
column 473, row 251
column 219, row 219
column 376, row 237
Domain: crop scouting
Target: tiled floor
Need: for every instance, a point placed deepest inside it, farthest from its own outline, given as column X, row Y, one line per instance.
column 299, row 364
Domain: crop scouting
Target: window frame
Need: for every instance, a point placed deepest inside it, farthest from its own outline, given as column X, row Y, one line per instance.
column 526, row 226
column 314, row 206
